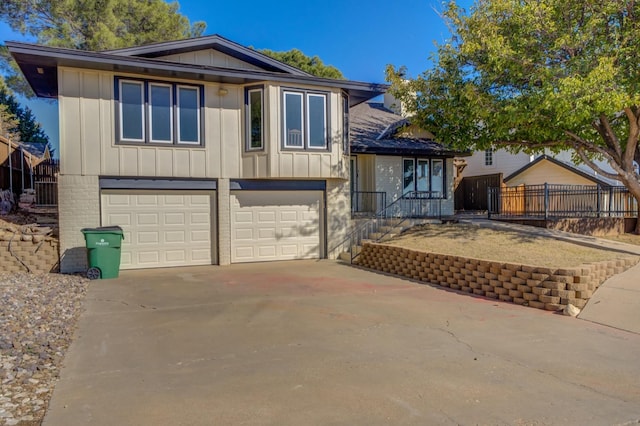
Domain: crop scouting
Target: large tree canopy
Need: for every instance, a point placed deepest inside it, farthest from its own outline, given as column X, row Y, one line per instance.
column 94, row 25
column 529, row 75
column 312, row 65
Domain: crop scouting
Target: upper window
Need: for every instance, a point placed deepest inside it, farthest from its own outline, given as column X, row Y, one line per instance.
column 423, row 177
column 305, row 120
column 488, row 157
column 345, row 125
column 158, row 112
column 254, row 105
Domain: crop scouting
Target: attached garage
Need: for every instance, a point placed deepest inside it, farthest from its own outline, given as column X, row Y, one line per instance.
column 162, row 228
column 276, row 225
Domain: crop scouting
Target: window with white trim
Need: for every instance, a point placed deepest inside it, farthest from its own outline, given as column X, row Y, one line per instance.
column 254, row 110
column 305, row 120
column 488, row 157
column 345, row 125
column 423, row 175
column 154, row 112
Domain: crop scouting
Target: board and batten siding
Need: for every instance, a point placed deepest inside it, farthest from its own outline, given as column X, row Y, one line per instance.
column 211, row 58
column 88, row 136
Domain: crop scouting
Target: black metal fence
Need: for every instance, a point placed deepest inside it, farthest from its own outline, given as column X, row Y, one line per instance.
column 558, row 201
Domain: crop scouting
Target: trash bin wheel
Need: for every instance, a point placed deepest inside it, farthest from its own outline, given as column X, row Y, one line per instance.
column 93, row 273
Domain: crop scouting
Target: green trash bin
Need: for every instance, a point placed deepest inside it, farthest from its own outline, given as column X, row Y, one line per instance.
column 103, row 251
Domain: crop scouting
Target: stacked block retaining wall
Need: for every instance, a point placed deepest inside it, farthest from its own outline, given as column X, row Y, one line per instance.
column 40, row 254
column 539, row 287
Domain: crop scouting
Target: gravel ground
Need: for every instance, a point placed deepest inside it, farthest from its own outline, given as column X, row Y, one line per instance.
column 38, row 315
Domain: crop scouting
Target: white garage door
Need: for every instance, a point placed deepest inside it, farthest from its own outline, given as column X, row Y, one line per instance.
column 161, row 228
column 275, row 225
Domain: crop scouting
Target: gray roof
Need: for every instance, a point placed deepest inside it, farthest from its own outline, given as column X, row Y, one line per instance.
column 39, row 64
column 37, row 149
column 373, row 130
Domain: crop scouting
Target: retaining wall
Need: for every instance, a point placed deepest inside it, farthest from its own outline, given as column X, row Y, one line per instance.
column 39, row 253
column 539, row 287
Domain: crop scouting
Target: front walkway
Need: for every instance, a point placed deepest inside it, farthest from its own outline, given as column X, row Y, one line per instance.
column 307, row 342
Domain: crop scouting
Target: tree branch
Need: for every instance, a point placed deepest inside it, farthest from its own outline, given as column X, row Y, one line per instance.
column 585, row 159
column 632, row 139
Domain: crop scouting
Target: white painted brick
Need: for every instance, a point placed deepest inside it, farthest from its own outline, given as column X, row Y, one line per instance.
column 79, row 207
column 224, row 222
column 338, row 214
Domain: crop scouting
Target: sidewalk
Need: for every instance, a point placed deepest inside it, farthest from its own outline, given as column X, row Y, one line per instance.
column 616, row 303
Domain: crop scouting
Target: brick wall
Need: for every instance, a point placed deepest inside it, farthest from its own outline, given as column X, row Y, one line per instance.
column 79, row 207
column 539, row 287
column 40, row 254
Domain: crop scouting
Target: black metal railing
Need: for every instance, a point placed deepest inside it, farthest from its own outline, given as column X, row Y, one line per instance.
column 412, row 205
column 367, row 203
column 558, row 201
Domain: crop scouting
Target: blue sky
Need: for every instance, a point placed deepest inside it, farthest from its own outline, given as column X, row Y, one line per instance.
column 359, row 38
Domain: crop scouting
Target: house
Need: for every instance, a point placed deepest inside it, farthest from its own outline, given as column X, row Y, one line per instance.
column 203, row 150
column 17, row 162
column 393, row 158
column 546, row 169
column 492, row 167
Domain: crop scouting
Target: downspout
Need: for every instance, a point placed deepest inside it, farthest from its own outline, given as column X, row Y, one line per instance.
column 10, row 166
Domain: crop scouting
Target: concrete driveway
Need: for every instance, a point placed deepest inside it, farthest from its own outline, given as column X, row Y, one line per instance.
column 309, row 342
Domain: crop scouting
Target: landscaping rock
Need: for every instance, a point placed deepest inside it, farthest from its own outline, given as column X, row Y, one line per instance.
column 571, row 311
column 38, row 314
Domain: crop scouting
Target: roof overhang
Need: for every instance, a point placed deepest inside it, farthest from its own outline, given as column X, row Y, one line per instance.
column 39, row 65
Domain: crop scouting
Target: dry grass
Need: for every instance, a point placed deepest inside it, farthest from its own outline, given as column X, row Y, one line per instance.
column 625, row 238
column 497, row 245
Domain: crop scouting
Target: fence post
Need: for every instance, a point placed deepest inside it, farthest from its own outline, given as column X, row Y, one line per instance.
column 598, row 204
column 546, row 201
column 610, row 201
column 489, row 190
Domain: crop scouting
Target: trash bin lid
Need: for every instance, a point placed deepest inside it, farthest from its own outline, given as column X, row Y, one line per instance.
column 101, row 229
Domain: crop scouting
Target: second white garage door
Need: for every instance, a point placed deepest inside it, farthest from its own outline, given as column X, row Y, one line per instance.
column 161, row 228
column 275, row 225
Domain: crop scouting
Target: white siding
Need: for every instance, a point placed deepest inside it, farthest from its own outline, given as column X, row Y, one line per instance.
column 88, row 147
column 388, row 176
column 503, row 162
column 211, row 58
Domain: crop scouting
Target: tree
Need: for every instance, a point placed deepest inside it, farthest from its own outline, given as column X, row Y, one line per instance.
column 18, row 122
column 312, row 65
column 558, row 74
column 94, row 25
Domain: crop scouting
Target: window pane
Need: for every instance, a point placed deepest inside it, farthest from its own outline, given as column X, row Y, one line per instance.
column 408, row 176
column 345, row 125
column 317, row 121
column 293, row 119
column 188, row 115
column 423, row 175
column 255, row 113
column 437, row 177
column 131, row 116
column 160, row 116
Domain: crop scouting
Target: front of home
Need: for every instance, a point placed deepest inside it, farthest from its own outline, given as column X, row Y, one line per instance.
column 204, row 151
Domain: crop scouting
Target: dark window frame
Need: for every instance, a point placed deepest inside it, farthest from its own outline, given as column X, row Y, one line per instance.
column 305, row 93
column 488, row 157
column 146, row 113
column 247, row 111
column 415, row 160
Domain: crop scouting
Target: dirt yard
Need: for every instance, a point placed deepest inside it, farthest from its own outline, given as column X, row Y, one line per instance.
column 498, row 245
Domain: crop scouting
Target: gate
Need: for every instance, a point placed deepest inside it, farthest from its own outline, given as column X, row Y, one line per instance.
column 472, row 192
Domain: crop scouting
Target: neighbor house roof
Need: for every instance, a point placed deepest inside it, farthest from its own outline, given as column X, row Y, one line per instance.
column 375, row 129
column 569, row 167
column 39, row 65
column 37, row 149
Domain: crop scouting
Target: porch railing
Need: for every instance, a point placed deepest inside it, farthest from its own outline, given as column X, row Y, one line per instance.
column 557, row 201
column 411, row 205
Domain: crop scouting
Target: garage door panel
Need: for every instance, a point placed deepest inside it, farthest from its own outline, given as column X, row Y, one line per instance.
column 161, row 228
column 271, row 225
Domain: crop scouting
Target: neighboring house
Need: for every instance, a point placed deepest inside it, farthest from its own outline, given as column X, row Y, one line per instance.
column 391, row 158
column 492, row 167
column 17, row 162
column 203, row 150
column 545, row 169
